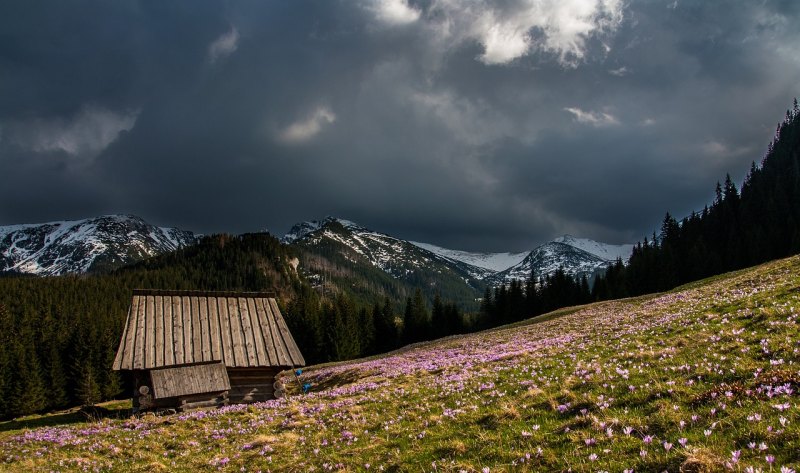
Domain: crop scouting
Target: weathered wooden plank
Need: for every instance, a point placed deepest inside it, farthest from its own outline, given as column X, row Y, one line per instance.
column 244, row 396
column 205, row 337
column 197, row 402
column 252, row 386
column 200, row 405
column 258, row 340
column 188, row 348
column 249, row 379
column 203, row 397
column 236, row 332
column 158, row 331
column 280, row 344
column 256, row 369
column 149, row 332
column 245, row 390
column 286, row 335
column 225, row 332
column 277, row 357
column 214, row 338
column 183, row 292
column 193, row 383
column 128, row 335
column 138, row 357
column 260, row 372
column 247, row 332
column 178, row 330
column 197, row 333
column 169, row 341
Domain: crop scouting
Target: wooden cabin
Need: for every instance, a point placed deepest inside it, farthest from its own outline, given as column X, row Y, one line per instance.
column 191, row 349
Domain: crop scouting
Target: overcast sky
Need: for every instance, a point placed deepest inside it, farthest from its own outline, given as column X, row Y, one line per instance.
column 477, row 125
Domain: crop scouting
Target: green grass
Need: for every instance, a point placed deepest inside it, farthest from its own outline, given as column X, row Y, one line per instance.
column 702, row 378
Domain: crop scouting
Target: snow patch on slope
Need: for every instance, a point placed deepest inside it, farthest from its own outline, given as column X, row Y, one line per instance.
column 601, row 250
column 491, row 261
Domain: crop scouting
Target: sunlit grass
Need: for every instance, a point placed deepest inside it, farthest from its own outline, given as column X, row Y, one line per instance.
column 703, row 378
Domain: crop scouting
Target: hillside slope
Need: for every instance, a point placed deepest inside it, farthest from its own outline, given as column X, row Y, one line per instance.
column 702, row 378
column 343, row 254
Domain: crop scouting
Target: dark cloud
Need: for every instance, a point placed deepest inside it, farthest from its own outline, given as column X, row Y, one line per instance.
column 411, row 119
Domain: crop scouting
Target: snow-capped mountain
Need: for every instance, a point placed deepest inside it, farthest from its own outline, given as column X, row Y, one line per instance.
column 336, row 253
column 300, row 230
column 396, row 257
column 548, row 258
column 80, row 246
column 601, row 250
column 400, row 258
column 577, row 256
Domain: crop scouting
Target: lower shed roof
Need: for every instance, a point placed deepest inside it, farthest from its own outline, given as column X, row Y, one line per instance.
column 186, row 380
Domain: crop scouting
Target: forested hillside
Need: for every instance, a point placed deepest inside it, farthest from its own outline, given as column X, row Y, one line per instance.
column 370, row 264
column 739, row 229
column 59, row 334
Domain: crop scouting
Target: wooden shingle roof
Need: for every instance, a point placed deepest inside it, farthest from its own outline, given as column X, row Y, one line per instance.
column 241, row 330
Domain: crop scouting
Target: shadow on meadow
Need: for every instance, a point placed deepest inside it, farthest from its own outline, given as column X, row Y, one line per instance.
column 338, row 379
column 75, row 415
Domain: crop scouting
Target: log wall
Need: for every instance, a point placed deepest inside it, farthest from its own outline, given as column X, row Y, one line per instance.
column 251, row 384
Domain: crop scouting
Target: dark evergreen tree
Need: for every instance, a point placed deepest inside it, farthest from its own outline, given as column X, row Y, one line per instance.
column 385, row 327
column 367, row 332
column 416, row 326
column 453, row 319
column 487, row 309
column 439, row 327
column 30, row 393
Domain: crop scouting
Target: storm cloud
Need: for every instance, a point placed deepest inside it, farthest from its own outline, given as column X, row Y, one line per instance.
column 478, row 125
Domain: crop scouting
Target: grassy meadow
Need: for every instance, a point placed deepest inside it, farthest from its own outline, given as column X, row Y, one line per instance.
column 702, row 378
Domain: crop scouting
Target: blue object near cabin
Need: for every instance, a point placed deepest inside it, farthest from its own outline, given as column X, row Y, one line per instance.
column 306, row 387
column 298, row 372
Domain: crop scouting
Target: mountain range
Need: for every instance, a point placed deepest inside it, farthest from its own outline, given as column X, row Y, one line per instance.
column 402, row 258
column 328, row 249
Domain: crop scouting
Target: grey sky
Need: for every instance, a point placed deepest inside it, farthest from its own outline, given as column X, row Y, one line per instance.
column 478, row 125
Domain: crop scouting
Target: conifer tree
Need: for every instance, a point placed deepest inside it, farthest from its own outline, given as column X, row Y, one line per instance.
column 88, row 392
column 29, row 394
column 367, row 332
column 57, row 380
column 385, row 328
column 487, row 308
column 453, row 319
column 417, row 321
column 439, row 327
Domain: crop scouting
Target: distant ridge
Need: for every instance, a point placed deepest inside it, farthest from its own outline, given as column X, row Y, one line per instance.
column 81, row 246
column 576, row 256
